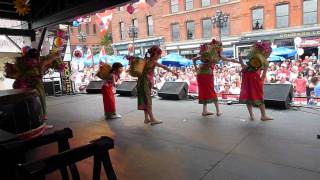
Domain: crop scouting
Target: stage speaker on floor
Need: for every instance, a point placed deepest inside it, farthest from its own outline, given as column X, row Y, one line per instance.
column 174, row 90
column 278, row 95
column 94, row 87
column 127, row 88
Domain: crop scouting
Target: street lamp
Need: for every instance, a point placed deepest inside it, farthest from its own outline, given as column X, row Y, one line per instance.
column 133, row 33
column 219, row 20
column 82, row 36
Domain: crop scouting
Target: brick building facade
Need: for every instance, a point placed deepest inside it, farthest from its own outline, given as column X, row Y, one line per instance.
column 148, row 22
column 86, row 35
column 182, row 25
column 281, row 22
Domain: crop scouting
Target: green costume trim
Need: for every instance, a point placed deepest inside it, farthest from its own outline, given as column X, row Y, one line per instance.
column 209, row 101
column 204, row 71
column 251, row 102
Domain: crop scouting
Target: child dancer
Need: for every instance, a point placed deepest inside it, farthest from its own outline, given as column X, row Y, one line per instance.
column 108, row 92
column 145, row 83
column 205, row 78
column 252, row 88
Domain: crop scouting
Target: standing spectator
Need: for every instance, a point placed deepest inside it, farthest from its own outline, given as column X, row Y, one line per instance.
column 193, row 87
column 313, row 57
column 294, row 73
column 317, row 89
column 226, row 91
column 234, row 89
column 300, row 85
column 310, row 86
column 283, row 71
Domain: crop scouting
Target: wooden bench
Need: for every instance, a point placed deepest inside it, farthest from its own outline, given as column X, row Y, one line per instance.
column 14, row 152
column 99, row 149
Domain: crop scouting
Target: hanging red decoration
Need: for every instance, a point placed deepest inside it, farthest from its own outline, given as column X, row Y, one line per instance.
column 130, row 9
column 60, row 33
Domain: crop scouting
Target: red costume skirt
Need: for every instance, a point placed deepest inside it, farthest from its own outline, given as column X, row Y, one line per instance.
column 206, row 88
column 251, row 88
column 108, row 99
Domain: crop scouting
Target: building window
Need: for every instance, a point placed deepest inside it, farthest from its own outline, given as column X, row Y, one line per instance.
column 175, row 32
column 310, row 11
column 150, row 25
column 190, row 30
column 225, row 30
column 189, row 4
column 206, row 28
column 174, row 6
column 205, row 3
column 94, row 29
column 282, row 15
column 87, row 29
column 122, row 31
column 223, row 1
column 135, row 24
column 79, row 28
column 257, row 19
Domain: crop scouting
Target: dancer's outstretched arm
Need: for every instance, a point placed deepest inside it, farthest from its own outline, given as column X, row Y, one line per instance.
column 50, row 60
column 167, row 69
column 194, row 60
column 241, row 61
column 229, row 60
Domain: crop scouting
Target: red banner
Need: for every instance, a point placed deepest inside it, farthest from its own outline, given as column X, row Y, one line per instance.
column 310, row 42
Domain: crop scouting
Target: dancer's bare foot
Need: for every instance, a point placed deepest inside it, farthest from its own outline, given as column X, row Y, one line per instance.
column 155, row 122
column 266, row 118
column 207, row 113
column 219, row 113
column 146, row 121
column 251, row 118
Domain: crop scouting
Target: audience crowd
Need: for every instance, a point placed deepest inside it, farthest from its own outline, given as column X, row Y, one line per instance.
column 303, row 74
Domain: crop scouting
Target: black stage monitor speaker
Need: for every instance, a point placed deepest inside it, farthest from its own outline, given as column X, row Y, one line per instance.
column 127, row 88
column 174, row 90
column 278, row 95
column 94, row 87
column 51, row 87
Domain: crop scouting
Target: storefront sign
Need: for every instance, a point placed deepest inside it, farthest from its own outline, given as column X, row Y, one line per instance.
column 310, row 42
column 300, row 34
column 284, row 42
column 189, row 52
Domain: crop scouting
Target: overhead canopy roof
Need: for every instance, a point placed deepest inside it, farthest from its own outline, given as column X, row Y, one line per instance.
column 51, row 12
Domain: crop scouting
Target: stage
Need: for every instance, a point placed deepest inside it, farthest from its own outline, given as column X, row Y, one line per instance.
column 189, row 146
